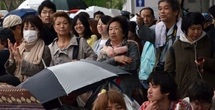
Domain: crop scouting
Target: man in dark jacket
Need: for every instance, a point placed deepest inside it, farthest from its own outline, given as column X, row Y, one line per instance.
column 45, row 12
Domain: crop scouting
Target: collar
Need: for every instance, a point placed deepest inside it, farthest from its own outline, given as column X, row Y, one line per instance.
column 73, row 42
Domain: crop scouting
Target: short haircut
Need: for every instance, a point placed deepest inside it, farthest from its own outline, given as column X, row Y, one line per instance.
column 211, row 10
column 35, row 21
column 132, row 26
column 191, row 19
column 6, row 33
column 105, row 19
column 85, row 14
column 3, row 40
column 98, row 13
column 200, row 90
column 173, row 3
column 166, row 82
column 48, row 4
column 148, row 8
column 61, row 14
column 112, row 96
column 122, row 20
column 85, row 22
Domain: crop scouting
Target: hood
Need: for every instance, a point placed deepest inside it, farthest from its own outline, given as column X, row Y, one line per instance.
column 183, row 38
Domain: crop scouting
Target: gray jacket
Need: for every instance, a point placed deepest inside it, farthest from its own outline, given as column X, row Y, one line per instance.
column 60, row 56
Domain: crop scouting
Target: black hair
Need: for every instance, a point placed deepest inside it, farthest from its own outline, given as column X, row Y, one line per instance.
column 173, row 3
column 5, row 34
column 191, row 19
column 98, row 13
column 85, row 22
column 122, row 20
column 126, row 14
column 211, row 10
column 132, row 26
column 85, row 14
column 10, row 79
column 166, row 82
column 200, row 90
column 35, row 21
column 48, row 4
column 105, row 19
column 148, row 8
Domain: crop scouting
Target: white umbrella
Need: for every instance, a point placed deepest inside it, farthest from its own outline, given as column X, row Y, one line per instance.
column 30, row 4
column 92, row 9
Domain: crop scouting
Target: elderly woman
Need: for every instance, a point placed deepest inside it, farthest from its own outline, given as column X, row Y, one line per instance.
column 121, row 53
column 31, row 56
column 191, row 57
column 102, row 29
column 66, row 47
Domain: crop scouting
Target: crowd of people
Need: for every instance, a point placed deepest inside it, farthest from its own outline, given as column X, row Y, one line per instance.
column 171, row 59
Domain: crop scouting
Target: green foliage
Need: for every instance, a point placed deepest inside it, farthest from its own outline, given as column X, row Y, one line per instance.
column 117, row 4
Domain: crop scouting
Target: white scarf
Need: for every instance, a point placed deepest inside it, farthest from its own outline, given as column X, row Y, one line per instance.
column 160, row 32
column 183, row 38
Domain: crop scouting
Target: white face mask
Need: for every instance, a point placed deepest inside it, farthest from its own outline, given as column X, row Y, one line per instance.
column 30, row 35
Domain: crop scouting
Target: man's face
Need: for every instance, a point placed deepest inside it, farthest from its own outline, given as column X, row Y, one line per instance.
column 147, row 16
column 46, row 15
column 154, row 93
column 166, row 13
column 200, row 105
column 97, row 17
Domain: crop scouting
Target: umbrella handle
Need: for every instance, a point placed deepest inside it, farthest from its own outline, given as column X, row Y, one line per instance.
column 44, row 64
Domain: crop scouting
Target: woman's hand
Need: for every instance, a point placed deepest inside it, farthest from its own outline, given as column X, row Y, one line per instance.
column 14, row 51
column 200, row 62
column 123, row 59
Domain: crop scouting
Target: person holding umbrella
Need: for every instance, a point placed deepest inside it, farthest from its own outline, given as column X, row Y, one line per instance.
column 31, row 56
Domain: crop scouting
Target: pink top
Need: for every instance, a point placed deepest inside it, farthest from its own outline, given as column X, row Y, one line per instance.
column 173, row 105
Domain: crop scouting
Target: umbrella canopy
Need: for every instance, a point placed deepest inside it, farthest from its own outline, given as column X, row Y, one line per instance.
column 92, row 9
column 14, row 98
column 22, row 12
column 63, row 79
column 69, row 4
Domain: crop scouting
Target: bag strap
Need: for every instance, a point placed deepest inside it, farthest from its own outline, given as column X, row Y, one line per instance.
column 76, row 49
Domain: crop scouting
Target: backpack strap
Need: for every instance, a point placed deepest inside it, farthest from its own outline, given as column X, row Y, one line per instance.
column 76, row 49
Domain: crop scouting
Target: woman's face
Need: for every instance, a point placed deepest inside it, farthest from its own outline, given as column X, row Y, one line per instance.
column 194, row 32
column 114, row 106
column 62, row 26
column 101, row 27
column 115, row 32
column 28, row 26
column 79, row 27
column 154, row 93
column 166, row 13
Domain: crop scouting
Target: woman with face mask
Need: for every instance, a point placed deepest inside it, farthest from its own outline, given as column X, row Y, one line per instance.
column 32, row 55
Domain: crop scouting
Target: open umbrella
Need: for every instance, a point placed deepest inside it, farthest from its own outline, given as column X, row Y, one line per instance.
column 22, row 12
column 63, row 79
column 69, row 4
column 17, row 98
